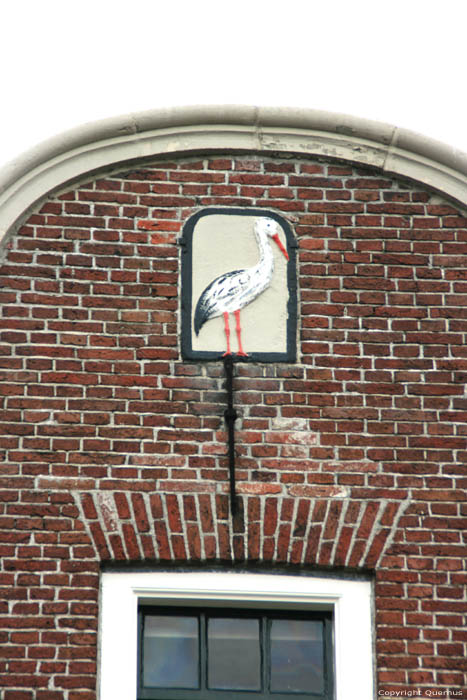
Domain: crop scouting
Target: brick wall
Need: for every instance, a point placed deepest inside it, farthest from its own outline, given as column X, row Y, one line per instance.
column 113, row 449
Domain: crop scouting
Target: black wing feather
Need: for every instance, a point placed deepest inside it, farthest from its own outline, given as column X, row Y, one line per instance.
column 205, row 307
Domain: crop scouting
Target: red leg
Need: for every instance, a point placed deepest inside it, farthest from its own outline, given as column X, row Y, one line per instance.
column 239, row 334
column 227, row 333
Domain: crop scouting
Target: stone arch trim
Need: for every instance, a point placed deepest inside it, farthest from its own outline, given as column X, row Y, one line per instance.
column 203, row 129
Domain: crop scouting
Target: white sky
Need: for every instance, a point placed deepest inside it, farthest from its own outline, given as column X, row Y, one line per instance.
column 67, row 62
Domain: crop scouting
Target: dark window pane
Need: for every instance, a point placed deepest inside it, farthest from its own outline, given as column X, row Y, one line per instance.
column 297, row 663
column 170, row 652
column 234, row 656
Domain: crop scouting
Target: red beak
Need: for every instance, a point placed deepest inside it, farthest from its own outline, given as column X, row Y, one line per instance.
column 280, row 245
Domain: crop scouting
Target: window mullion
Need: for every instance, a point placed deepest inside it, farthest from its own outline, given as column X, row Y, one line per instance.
column 203, row 650
column 328, row 656
column 140, row 648
column 265, row 654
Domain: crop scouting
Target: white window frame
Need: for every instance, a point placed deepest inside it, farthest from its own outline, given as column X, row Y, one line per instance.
column 122, row 592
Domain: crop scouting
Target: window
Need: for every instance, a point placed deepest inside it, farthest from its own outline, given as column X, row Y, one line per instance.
column 189, row 653
column 192, row 610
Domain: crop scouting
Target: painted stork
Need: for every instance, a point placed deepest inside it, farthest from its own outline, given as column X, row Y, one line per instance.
column 233, row 290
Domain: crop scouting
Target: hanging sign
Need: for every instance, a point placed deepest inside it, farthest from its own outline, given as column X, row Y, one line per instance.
column 239, row 294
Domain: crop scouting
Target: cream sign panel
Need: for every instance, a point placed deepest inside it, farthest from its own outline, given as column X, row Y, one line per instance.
column 238, row 287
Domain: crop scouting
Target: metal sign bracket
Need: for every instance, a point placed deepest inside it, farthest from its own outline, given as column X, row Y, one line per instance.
column 230, row 416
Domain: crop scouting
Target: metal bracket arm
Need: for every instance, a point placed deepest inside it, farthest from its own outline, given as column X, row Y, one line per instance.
column 230, row 416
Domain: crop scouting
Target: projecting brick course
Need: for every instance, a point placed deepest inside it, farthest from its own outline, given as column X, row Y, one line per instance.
column 114, row 450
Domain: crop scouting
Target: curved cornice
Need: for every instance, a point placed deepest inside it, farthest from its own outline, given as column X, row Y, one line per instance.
column 204, row 129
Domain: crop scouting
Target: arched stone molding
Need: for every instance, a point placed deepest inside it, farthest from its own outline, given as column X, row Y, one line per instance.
column 207, row 129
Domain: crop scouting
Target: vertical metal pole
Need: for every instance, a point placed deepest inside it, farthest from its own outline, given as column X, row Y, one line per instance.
column 230, row 415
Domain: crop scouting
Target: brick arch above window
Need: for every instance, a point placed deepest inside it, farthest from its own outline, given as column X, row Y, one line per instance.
column 313, row 528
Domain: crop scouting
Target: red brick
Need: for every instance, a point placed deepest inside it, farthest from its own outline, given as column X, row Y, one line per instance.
column 139, row 510
column 90, row 361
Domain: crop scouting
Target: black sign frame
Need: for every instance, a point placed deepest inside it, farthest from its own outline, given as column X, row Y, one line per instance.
column 186, row 241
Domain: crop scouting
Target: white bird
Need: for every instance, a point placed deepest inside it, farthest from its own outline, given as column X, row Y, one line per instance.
column 233, row 290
